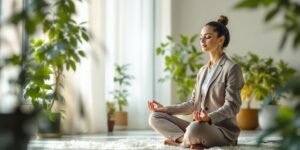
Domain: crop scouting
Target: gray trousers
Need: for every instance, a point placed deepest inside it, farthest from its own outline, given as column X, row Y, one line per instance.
column 173, row 128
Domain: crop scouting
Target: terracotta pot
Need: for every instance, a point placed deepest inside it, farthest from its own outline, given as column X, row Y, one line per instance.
column 121, row 118
column 110, row 125
column 248, row 119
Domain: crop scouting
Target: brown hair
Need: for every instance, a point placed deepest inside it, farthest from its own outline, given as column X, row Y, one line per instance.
column 221, row 29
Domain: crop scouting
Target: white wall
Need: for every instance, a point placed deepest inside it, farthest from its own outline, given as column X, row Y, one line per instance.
column 247, row 28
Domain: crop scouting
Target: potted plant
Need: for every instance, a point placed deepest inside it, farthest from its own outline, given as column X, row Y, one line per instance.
column 19, row 124
column 182, row 63
column 111, row 109
column 41, row 65
column 44, row 61
column 120, row 94
column 262, row 76
column 286, row 125
column 277, row 75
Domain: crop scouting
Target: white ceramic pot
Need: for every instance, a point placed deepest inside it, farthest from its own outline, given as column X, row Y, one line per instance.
column 267, row 116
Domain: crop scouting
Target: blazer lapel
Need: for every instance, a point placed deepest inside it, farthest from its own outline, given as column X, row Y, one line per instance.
column 202, row 75
column 216, row 73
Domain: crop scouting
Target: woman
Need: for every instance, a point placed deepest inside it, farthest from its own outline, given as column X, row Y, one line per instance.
column 215, row 99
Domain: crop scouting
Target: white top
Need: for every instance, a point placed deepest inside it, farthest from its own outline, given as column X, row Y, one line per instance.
column 210, row 71
column 207, row 78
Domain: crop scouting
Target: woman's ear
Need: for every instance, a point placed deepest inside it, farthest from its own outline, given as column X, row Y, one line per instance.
column 221, row 40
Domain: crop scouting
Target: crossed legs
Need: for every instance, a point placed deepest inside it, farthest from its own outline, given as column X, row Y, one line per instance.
column 180, row 132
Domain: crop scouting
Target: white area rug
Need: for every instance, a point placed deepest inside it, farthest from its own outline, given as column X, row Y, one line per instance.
column 246, row 143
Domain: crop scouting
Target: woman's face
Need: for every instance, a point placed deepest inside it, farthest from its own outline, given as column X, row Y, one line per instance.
column 209, row 39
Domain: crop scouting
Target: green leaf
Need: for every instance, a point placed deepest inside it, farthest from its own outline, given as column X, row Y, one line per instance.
column 271, row 14
column 14, row 59
column 184, row 40
column 193, row 38
column 76, row 58
column 268, row 2
column 247, row 4
column 30, row 26
column 52, row 116
column 85, row 36
column 158, row 51
column 170, row 38
column 52, row 33
column 46, row 26
column 73, row 42
column 296, row 41
column 81, row 53
column 73, row 65
column 284, row 39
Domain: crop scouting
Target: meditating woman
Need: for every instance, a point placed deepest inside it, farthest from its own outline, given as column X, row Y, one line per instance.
column 215, row 100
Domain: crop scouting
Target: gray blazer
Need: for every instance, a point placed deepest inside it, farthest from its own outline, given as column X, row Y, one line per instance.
column 222, row 100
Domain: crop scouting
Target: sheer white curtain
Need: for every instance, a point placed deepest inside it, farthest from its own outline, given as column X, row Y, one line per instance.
column 129, row 40
column 84, row 89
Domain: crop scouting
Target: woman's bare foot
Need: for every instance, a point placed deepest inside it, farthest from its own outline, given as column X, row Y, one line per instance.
column 171, row 142
column 197, row 147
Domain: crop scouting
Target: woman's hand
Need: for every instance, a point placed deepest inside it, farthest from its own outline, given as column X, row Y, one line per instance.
column 201, row 116
column 155, row 106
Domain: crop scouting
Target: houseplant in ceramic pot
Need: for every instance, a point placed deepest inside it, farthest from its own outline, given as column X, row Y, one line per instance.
column 262, row 77
column 182, row 62
column 122, row 81
column 276, row 75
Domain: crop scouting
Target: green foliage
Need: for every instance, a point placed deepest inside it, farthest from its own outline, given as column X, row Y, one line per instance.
column 288, row 121
column 122, row 81
column 262, row 76
column 47, row 58
column 182, row 62
column 111, row 109
column 289, row 9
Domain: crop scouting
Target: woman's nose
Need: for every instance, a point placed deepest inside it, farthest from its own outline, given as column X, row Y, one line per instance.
column 202, row 40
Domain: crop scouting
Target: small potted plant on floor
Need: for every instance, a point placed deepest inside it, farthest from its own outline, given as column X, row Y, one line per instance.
column 122, row 81
column 111, row 109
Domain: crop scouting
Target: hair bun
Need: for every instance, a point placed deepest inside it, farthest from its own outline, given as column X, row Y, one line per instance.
column 223, row 19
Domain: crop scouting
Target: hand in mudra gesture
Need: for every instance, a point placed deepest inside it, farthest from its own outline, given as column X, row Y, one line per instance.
column 201, row 116
column 155, row 106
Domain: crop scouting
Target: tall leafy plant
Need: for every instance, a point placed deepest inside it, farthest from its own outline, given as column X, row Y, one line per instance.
column 122, row 81
column 182, row 62
column 47, row 58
